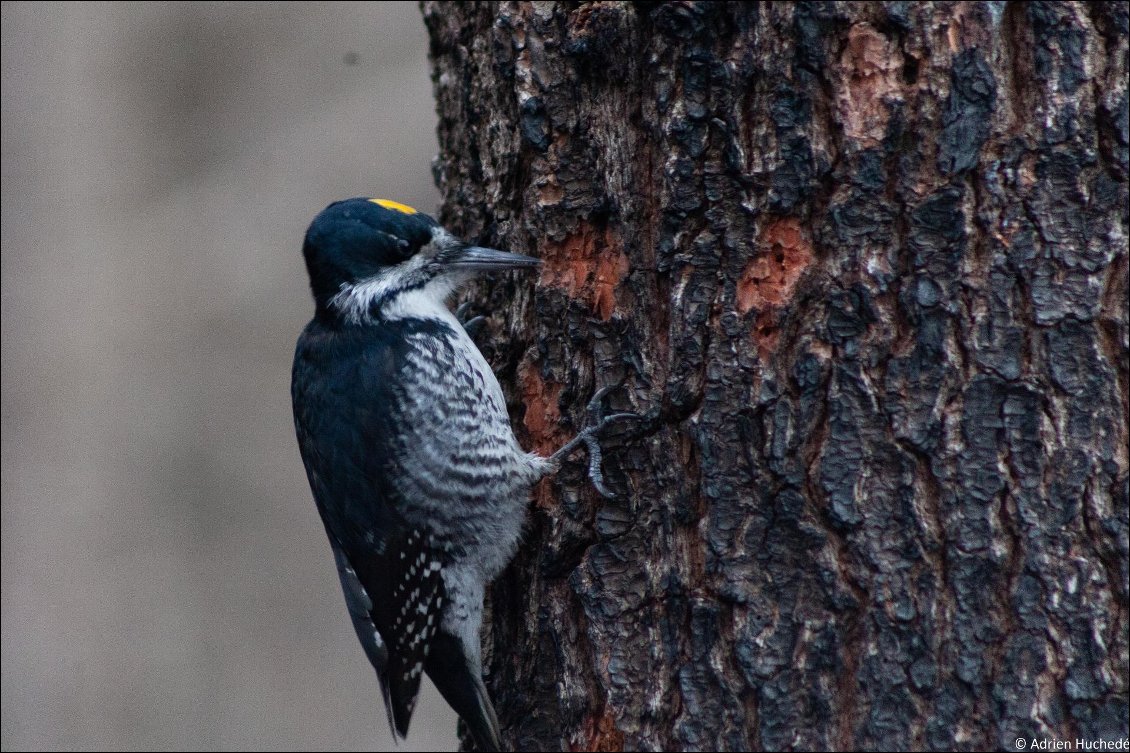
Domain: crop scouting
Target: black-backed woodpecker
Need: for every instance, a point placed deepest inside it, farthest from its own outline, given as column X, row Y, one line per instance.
column 417, row 474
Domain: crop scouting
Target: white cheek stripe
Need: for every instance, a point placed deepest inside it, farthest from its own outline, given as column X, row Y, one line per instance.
column 354, row 300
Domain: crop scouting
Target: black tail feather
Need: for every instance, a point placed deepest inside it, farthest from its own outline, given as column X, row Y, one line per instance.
column 462, row 686
column 386, row 694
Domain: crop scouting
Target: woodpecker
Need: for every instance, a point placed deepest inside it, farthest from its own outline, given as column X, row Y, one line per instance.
column 415, row 469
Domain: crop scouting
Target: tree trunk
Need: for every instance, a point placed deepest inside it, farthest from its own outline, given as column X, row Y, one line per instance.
column 863, row 268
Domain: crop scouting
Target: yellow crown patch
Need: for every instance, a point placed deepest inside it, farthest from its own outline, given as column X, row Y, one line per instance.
column 395, row 206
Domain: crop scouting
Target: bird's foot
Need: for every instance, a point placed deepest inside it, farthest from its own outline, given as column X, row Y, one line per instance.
column 588, row 437
column 472, row 325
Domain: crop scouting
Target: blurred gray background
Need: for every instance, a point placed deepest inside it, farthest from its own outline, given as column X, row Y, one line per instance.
column 166, row 580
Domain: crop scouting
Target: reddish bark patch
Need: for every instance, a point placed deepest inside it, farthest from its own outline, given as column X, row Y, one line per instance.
column 544, row 498
column 765, row 332
column 543, row 417
column 871, row 64
column 600, row 734
column 784, row 252
column 588, row 265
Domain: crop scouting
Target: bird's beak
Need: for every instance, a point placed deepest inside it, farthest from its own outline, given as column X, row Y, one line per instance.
column 479, row 259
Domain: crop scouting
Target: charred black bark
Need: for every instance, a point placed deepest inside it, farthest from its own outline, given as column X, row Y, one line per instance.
column 863, row 267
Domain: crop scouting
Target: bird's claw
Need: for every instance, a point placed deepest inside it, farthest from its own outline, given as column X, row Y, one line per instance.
column 471, row 326
column 588, row 437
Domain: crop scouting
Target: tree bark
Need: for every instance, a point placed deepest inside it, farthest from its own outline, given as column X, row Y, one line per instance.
column 863, row 269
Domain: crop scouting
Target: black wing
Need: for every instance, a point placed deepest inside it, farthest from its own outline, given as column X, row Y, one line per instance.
column 405, row 609
column 344, row 393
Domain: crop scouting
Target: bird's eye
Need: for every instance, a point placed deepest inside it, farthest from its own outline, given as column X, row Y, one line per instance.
column 403, row 248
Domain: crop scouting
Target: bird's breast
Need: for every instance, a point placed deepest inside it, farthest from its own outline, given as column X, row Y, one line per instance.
column 459, row 457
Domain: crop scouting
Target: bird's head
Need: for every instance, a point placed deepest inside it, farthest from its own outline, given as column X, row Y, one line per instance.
column 373, row 258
